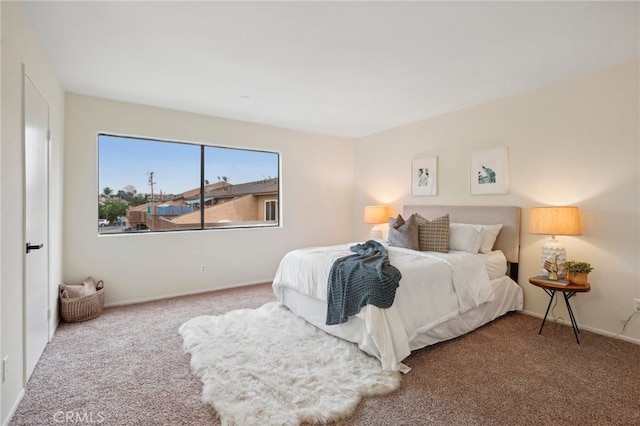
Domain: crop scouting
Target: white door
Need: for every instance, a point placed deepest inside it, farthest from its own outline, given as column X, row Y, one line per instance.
column 36, row 170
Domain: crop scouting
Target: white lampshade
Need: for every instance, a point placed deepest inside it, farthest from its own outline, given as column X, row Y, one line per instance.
column 554, row 221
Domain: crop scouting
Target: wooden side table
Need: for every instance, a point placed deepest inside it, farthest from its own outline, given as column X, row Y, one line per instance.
column 568, row 291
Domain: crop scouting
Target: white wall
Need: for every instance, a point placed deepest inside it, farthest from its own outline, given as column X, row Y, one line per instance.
column 575, row 142
column 19, row 46
column 317, row 188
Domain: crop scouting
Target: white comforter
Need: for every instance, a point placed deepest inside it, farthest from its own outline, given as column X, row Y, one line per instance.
column 435, row 287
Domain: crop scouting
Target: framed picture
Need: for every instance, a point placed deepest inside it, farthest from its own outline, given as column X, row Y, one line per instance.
column 424, row 176
column 488, row 171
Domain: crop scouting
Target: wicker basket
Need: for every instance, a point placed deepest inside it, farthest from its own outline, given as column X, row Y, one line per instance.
column 82, row 308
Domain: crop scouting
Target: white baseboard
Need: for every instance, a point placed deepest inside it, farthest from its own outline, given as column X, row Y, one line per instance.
column 14, row 408
column 188, row 293
column 567, row 322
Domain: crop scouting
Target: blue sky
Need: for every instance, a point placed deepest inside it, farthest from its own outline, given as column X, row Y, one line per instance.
column 126, row 161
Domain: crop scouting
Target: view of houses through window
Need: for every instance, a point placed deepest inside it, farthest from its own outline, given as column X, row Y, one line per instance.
column 150, row 185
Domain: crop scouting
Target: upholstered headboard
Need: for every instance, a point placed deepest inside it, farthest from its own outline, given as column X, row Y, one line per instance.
column 509, row 237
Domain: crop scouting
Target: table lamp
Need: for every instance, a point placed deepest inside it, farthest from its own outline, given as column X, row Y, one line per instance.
column 376, row 215
column 554, row 221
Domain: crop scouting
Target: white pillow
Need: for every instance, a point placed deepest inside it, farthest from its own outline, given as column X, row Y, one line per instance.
column 496, row 264
column 464, row 237
column 488, row 236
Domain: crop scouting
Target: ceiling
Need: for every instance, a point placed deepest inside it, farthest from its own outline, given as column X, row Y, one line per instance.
column 345, row 69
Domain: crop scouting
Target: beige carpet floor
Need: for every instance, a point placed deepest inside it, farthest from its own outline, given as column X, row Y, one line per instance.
column 127, row 367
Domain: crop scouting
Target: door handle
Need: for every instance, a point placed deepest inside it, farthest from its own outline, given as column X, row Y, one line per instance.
column 34, row 247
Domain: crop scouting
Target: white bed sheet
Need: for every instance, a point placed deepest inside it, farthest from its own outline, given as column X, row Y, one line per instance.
column 455, row 283
column 508, row 296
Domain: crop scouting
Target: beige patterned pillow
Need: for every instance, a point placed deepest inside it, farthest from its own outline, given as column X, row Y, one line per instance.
column 433, row 235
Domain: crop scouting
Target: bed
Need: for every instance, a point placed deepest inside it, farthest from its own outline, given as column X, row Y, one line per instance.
column 460, row 292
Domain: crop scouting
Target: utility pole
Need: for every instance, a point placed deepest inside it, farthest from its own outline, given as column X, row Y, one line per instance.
column 151, row 183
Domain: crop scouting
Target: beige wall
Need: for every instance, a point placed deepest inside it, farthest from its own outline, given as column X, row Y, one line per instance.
column 244, row 208
column 575, row 142
column 19, row 47
column 316, row 187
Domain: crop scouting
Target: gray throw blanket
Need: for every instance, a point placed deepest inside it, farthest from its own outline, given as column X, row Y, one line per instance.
column 365, row 277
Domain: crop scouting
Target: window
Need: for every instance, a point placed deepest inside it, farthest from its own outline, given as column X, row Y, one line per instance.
column 271, row 210
column 147, row 185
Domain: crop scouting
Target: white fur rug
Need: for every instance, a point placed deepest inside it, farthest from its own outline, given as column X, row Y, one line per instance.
column 266, row 366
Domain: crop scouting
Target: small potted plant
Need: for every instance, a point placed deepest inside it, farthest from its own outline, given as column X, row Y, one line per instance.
column 577, row 272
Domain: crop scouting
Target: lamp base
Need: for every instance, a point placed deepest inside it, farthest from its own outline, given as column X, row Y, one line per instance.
column 376, row 233
column 550, row 250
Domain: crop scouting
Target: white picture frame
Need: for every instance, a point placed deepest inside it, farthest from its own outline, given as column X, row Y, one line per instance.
column 424, row 176
column 488, row 171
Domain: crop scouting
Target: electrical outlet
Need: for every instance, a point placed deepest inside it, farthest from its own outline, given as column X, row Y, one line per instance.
column 5, row 368
column 636, row 304
column 203, row 268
